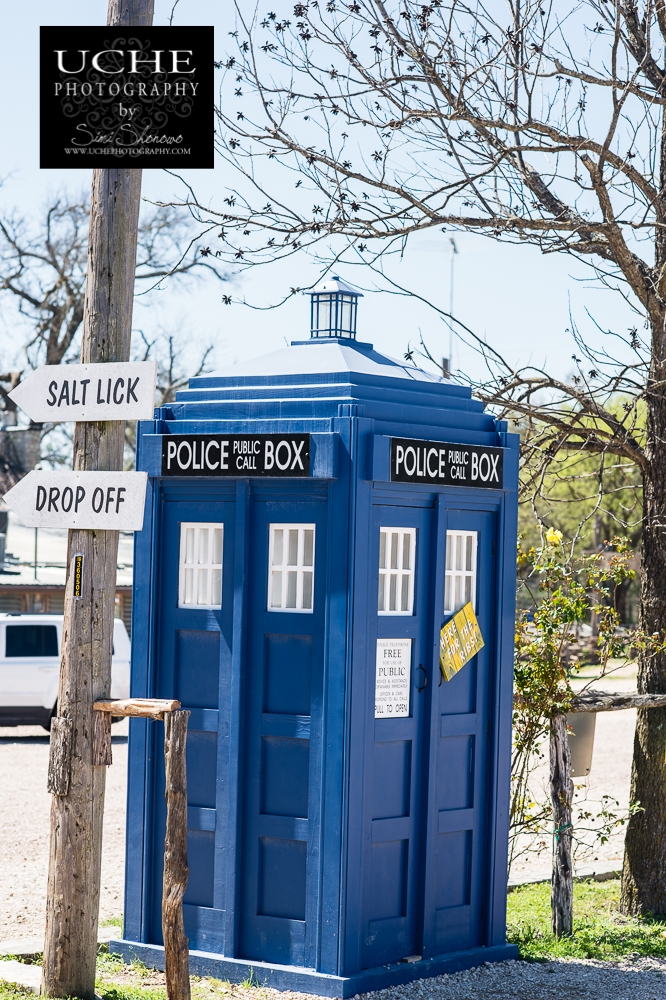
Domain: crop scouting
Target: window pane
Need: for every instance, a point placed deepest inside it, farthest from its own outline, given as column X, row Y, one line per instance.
column 189, row 545
column 217, row 546
column 307, row 590
column 394, row 550
column 392, row 592
column 457, row 599
column 293, row 547
column 203, row 545
column 382, row 590
column 32, row 640
column 277, row 547
column 468, row 589
column 447, row 594
column 449, row 551
column 276, row 589
column 216, row 587
column 468, row 559
column 404, row 597
column 308, row 547
column 459, row 546
column 201, row 548
column 202, row 586
column 291, row 590
column 382, row 550
column 406, row 551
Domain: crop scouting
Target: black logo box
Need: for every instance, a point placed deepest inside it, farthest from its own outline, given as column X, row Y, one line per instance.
column 238, row 455
column 108, row 99
column 443, row 464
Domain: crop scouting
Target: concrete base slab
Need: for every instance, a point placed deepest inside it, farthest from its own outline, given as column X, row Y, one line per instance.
column 21, row 975
column 288, row 977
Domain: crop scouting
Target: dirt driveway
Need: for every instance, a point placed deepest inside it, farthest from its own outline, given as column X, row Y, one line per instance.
column 24, row 830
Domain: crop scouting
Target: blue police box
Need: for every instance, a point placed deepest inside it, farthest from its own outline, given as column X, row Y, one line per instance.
column 313, row 518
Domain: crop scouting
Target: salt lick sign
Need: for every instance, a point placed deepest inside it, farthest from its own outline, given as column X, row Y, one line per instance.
column 120, row 97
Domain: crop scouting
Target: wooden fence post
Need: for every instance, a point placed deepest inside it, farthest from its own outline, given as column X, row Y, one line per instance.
column 561, row 793
column 176, row 954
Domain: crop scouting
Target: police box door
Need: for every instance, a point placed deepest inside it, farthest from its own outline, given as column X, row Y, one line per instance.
column 399, row 681
column 195, row 569
column 281, row 776
column 460, row 741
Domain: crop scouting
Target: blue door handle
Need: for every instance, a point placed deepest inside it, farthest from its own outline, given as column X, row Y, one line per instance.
column 425, row 678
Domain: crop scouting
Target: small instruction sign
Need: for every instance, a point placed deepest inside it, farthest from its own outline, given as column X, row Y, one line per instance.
column 459, row 640
column 392, row 678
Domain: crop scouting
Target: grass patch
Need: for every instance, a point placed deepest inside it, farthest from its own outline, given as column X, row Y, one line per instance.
column 112, row 922
column 600, row 931
column 9, row 991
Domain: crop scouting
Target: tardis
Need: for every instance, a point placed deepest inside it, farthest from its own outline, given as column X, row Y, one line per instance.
column 314, row 518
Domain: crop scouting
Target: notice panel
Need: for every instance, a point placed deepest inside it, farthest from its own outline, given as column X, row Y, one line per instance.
column 393, row 678
column 442, row 464
column 237, row 455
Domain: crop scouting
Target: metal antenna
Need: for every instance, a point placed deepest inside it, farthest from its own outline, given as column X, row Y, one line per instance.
column 454, row 251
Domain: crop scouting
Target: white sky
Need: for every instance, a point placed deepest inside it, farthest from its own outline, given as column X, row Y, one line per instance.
column 517, row 298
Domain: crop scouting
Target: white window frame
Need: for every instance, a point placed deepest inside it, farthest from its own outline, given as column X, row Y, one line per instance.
column 300, row 568
column 452, row 573
column 398, row 571
column 210, row 567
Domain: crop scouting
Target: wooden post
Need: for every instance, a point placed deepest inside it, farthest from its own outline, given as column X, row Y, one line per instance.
column 72, row 906
column 561, row 793
column 176, row 954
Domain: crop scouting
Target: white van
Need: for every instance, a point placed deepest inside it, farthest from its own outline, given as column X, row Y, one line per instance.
column 30, row 667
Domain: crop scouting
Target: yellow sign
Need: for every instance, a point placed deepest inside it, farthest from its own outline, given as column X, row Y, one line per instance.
column 459, row 640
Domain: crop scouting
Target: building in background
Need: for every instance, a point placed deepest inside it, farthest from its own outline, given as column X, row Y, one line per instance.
column 33, row 565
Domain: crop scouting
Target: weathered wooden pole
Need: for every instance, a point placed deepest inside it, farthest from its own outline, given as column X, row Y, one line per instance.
column 561, row 793
column 176, row 953
column 72, row 907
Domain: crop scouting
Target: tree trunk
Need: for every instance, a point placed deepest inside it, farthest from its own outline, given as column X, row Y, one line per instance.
column 644, row 870
column 561, row 793
column 176, row 872
column 72, row 908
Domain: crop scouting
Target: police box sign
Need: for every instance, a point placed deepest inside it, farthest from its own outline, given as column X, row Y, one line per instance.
column 238, row 455
column 126, row 97
column 441, row 464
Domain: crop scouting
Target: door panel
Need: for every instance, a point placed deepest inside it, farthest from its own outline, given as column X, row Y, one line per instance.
column 193, row 664
column 281, row 780
column 392, row 866
column 460, row 745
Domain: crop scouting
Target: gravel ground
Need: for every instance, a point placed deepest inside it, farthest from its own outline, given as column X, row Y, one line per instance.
column 24, row 831
column 572, row 980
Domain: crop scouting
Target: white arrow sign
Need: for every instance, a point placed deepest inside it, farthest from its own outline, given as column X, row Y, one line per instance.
column 109, row 500
column 115, row 391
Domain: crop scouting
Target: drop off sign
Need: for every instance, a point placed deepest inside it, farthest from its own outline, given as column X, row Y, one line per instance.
column 112, row 501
